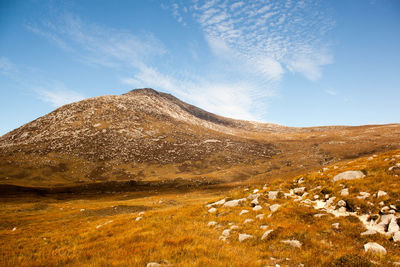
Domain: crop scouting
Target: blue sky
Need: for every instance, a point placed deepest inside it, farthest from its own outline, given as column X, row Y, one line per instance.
column 297, row 63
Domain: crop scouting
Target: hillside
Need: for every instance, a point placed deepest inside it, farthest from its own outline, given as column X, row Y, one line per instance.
column 312, row 219
column 145, row 135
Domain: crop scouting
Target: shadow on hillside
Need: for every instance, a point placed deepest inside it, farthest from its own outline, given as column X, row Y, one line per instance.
column 139, row 188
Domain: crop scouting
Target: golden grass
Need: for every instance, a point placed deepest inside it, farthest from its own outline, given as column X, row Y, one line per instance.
column 55, row 232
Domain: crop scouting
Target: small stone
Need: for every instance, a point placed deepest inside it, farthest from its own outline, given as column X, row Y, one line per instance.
column 243, row 212
column 138, row 219
column 260, row 216
column 293, row 243
column 248, row 221
column 266, row 234
column 82, row 210
column 212, row 210
column 234, row 227
column 226, row 232
column 381, row 194
column 263, row 227
column 335, row 226
column 243, row 237
column 299, row 190
column 153, row 264
column 234, row 203
column 273, row 194
column 341, row 203
column 212, row 223
column 368, row 232
column 274, row 207
column 255, row 191
column 348, row 175
column 256, row 208
column 396, row 237
column 15, row 228
column 344, row 192
column 374, row 247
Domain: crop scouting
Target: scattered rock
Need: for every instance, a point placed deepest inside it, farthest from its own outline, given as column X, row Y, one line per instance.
column 258, row 207
column 255, row 191
column 138, row 219
column 153, row 264
column 15, row 228
column 266, row 234
column 234, row 227
column 348, row 175
column 274, row 207
column 260, row 216
column 396, row 237
column 344, row 192
column 243, row 237
column 341, row 203
column 273, row 194
column 393, row 226
column 381, row 194
column 375, row 248
column 363, row 195
column 299, row 190
column 369, row 232
column 234, row 203
column 212, row 210
column 263, row 227
column 212, row 223
column 243, row 212
column 248, row 221
column 217, row 203
column 293, row 243
column 335, row 226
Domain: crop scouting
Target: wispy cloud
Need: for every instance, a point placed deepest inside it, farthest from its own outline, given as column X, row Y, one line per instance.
column 98, row 45
column 58, row 97
column 330, row 92
column 270, row 36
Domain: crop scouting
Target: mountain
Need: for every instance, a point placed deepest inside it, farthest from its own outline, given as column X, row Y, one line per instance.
column 149, row 135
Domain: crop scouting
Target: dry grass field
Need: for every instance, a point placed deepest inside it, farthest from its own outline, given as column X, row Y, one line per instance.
column 171, row 227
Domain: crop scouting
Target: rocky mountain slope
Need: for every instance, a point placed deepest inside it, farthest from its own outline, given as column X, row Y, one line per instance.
column 148, row 135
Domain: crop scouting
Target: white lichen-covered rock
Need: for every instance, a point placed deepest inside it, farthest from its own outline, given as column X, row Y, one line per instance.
column 369, row 232
column 212, row 223
column 375, row 248
column 341, row 203
column 381, row 194
column 393, row 226
column 243, row 237
column 253, row 196
column 274, row 207
column 260, row 216
column 396, row 237
column 217, row 203
column 248, row 221
column 348, row 175
column 335, row 226
column 234, row 227
column 153, row 264
column 258, row 207
column 273, row 194
column 293, row 243
column 212, row 210
column 344, row 192
column 255, row 202
column 299, row 190
column 235, row 202
column 319, row 204
column 243, row 212
column 266, row 234
column 363, row 195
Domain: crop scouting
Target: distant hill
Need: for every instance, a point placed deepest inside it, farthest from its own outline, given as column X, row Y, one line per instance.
column 149, row 135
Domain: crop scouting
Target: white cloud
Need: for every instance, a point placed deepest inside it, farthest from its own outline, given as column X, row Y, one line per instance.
column 58, row 97
column 277, row 35
column 330, row 92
